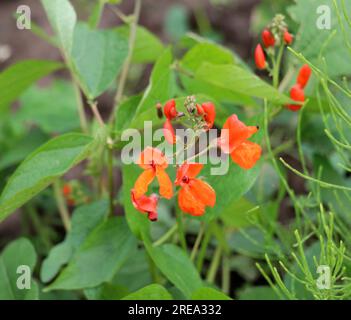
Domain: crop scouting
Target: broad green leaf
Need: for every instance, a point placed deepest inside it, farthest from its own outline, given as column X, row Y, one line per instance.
column 151, row 292
column 22, row 147
column 97, row 56
column 147, row 47
column 209, row 294
column 216, row 55
column 18, row 77
column 53, row 109
column 239, row 80
column 98, row 259
column 206, row 52
column 161, row 88
column 83, row 222
column 125, row 113
column 106, row 291
column 239, row 214
column 233, row 183
column 63, row 19
column 314, row 42
column 138, row 222
column 176, row 266
column 42, row 167
column 16, row 254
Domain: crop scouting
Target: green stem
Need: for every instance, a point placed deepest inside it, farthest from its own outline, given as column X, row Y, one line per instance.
column 80, row 106
column 197, row 242
column 203, row 249
column 226, row 275
column 277, row 64
column 111, row 180
column 212, row 271
column 181, row 231
column 125, row 70
column 166, row 236
column 61, row 204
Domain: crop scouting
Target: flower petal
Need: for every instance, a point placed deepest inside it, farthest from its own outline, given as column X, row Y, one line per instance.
column 189, row 204
column 169, row 133
column 190, row 170
column 146, row 204
column 234, row 133
column 203, row 192
column 142, row 183
column 247, row 154
column 152, row 156
column 166, row 187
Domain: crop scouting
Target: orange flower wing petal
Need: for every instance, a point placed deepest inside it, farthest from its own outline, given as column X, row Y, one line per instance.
column 190, row 170
column 235, row 133
column 247, row 154
column 166, row 187
column 152, row 156
column 142, row 183
column 189, row 204
column 203, row 192
column 169, row 133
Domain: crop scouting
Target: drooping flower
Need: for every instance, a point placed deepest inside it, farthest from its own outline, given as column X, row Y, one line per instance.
column 146, row 205
column 207, row 111
column 260, row 58
column 194, row 194
column 268, row 38
column 154, row 163
column 296, row 94
column 304, row 76
column 170, row 111
column 234, row 141
column 288, row 37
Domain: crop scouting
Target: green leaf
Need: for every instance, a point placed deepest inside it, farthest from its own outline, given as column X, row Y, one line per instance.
column 18, row 253
column 53, row 109
column 101, row 255
column 161, row 88
column 315, row 43
column 209, row 294
column 42, row 167
column 147, row 46
column 238, row 214
column 18, row 77
column 176, row 266
column 83, row 222
column 98, row 56
column 239, row 80
column 232, row 185
column 138, row 222
column 63, row 19
column 151, row 292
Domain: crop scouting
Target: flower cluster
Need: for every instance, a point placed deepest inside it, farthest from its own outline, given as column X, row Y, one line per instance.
column 194, row 194
column 297, row 91
column 278, row 35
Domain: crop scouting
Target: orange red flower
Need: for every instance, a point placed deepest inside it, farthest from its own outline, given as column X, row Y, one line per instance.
column 154, row 163
column 288, row 38
column 194, row 194
column 260, row 58
column 208, row 112
column 170, row 111
column 304, row 76
column 268, row 38
column 234, row 141
column 146, row 205
column 296, row 94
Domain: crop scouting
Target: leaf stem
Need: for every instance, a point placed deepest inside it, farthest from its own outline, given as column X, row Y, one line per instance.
column 197, row 242
column 97, row 115
column 212, row 271
column 166, row 236
column 80, row 106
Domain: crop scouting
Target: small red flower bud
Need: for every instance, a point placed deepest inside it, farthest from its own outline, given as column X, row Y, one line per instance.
column 296, row 94
column 66, row 190
column 268, row 38
column 208, row 111
column 260, row 58
column 288, row 38
column 170, row 110
column 304, row 75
